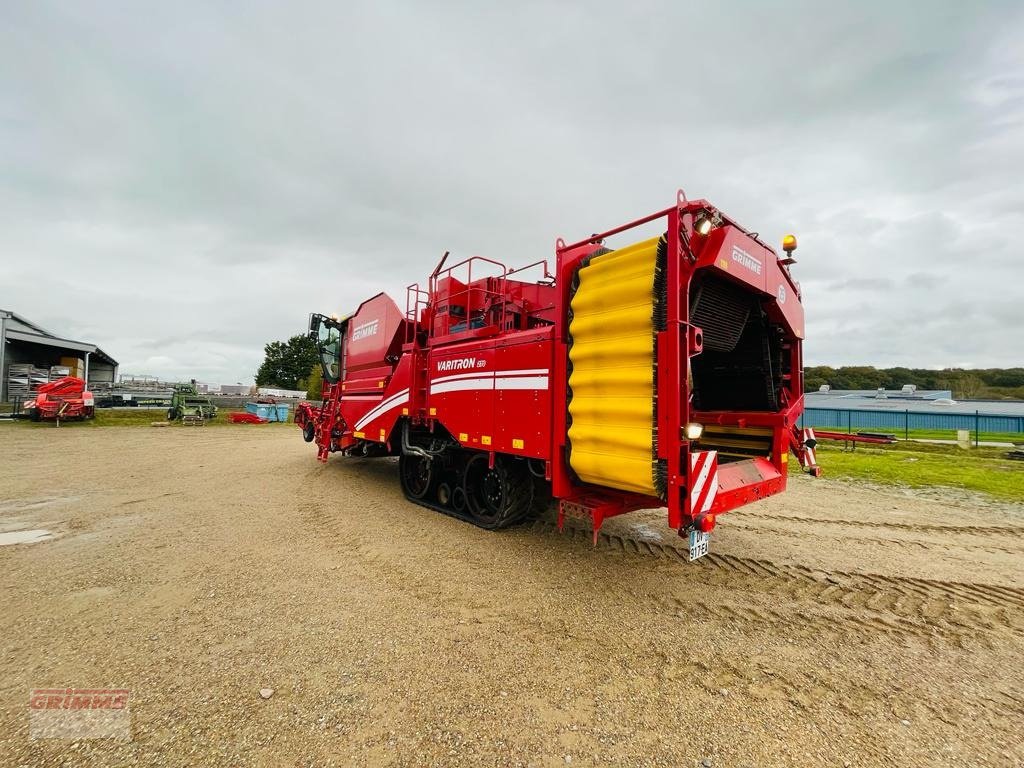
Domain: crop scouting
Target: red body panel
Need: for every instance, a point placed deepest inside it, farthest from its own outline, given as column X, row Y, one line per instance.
column 375, row 332
column 494, row 394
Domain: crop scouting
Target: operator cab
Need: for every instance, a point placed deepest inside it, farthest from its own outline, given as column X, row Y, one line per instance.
column 328, row 334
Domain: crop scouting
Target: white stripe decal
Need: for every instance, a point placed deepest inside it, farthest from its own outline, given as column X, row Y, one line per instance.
column 457, row 376
column 524, row 372
column 712, row 490
column 392, row 402
column 485, row 374
column 488, row 384
column 462, row 385
column 522, row 382
column 695, row 460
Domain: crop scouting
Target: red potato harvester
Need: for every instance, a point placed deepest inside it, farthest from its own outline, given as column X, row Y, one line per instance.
column 62, row 399
column 664, row 373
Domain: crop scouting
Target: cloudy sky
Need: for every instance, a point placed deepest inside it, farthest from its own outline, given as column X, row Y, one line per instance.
column 183, row 182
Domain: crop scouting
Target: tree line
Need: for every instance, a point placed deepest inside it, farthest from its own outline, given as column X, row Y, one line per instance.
column 965, row 383
column 292, row 364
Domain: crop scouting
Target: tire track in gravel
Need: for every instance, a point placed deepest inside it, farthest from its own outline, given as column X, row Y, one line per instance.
column 837, row 602
column 986, row 594
column 979, row 530
column 892, row 604
column 809, row 622
column 756, row 679
column 806, row 618
column 789, row 532
column 803, row 601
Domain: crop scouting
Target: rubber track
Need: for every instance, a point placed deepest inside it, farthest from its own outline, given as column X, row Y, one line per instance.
column 518, row 518
column 463, row 516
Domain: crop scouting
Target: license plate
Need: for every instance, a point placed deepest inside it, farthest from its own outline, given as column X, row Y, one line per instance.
column 698, row 544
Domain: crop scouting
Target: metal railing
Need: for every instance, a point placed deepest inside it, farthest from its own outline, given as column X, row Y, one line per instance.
column 902, row 423
column 482, row 293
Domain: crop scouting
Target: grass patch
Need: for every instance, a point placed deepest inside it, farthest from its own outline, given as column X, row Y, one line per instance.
column 948, row 434
column 933, row 434
column 920, row 465
column 138, row 417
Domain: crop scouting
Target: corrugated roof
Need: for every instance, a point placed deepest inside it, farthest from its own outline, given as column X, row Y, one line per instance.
column 38, row 335
column 917, row 394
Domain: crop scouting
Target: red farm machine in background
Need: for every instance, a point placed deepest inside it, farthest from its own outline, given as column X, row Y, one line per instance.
column 662, row 373
column 60, row 400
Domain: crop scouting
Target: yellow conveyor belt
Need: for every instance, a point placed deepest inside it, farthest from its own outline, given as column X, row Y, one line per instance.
column 612, row 379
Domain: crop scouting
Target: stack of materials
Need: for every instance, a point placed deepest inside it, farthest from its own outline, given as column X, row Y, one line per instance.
column 23, row 379
column 131, row 390
column 75, row 366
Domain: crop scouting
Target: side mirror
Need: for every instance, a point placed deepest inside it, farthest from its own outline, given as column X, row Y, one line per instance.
column 314, row 325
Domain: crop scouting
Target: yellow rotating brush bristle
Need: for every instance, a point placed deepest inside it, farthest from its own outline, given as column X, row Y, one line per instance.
column 612, row 378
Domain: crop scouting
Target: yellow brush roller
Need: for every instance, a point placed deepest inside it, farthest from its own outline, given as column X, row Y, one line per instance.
column 613, row 369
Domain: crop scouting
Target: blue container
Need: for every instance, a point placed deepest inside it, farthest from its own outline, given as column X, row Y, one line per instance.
column 269, row 411
column 263, row 410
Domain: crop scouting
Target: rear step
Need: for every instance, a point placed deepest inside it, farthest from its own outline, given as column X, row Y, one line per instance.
column 596, row 507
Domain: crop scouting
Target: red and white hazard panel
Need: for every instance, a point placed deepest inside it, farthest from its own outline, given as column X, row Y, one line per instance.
column 809, row 442
column 703, row 480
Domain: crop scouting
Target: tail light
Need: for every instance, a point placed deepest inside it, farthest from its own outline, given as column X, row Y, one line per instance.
column 706, row 524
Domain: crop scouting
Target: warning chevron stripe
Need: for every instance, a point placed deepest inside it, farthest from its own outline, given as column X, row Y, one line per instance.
column 703, row 480
column 808, row 451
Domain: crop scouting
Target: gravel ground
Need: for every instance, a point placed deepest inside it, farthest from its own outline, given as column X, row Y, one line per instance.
column 835, row 625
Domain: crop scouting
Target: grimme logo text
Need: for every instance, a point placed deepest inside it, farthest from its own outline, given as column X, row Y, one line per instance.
column 744, row 259
column 366, row 329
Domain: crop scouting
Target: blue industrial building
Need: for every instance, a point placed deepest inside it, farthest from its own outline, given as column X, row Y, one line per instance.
column 908, row 409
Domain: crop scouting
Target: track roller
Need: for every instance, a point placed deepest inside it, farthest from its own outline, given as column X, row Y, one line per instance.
column 444, row 494
column 500, row 496
column 416, row 473
column 459, row 500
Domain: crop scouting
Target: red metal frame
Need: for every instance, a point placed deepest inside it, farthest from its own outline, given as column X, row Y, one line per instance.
column 688, row 251
column 501, row 389
column 853, row 438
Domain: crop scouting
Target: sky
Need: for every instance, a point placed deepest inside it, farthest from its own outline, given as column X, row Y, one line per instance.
column 181, row 183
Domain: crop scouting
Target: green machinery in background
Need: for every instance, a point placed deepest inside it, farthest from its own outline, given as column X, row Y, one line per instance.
column 188, row 405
